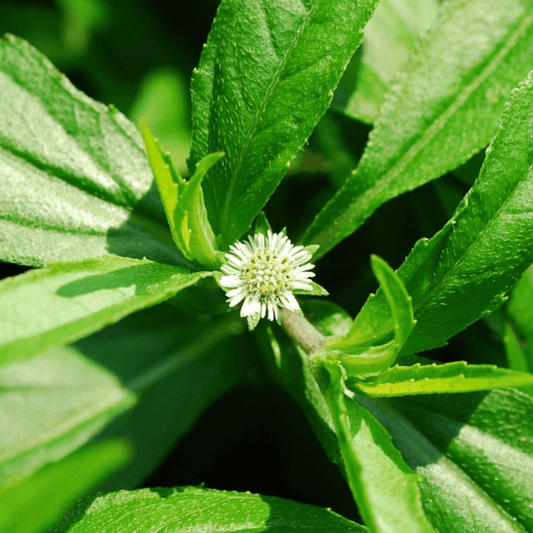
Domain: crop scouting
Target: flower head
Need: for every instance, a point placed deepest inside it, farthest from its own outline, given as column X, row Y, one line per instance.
column 264, row 272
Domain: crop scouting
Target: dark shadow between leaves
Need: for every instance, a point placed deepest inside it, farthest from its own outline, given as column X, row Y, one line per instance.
column 142, row 276
column 423, row 426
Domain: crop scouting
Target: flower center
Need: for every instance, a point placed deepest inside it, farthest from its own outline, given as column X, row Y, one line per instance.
column 267, row 275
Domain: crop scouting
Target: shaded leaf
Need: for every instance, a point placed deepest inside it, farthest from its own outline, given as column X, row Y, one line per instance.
column 175, row 369
column 258, row 97
column 474, row 455
column 51, row 405
column 451, row 94
column 36, row 503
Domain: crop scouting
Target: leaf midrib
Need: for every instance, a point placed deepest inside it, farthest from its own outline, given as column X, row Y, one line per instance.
column 259, row 116
column 403, row 161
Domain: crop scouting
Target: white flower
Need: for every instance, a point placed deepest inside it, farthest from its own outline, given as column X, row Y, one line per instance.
column 263, row 272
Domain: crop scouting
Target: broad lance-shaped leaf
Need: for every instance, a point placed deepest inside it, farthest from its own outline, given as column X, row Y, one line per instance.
column 451, row 94
column 431, row 379
column 38, row 502
column 464, row 271
column 74, row 179
column 266, row 76
column 186, row 509
column 386, row 486
column 184, row 203
column 390, row 39
column 355, row 350
column 66, row 302
column 474, row 453
column 51, row 405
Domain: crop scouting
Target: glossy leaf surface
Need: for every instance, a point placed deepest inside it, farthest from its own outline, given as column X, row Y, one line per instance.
column 186, row 509
column 444, row 108
column 434, row 379
column 464, row 271
column 65, row 302
column 36, row 503
column 74, row 179
column 51, row 405
column 266, row 76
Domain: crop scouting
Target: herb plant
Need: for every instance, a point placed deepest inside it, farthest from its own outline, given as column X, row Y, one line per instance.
column 130, row 323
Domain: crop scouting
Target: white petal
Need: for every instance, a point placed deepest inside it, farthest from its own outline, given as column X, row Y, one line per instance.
column 301, row 286
column 289, row 301
column 231, row 271
column 236, row 292
column 231, row 281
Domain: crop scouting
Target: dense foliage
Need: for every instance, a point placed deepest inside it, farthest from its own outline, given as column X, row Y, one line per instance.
column 124, row 373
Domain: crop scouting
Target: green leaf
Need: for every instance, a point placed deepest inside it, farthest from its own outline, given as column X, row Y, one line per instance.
column 387, row 487
column 451, row 94
column 186, row 509
column 51, row 405
column 464, row 271
column 357, row 351
column 74, row 179
column 66, row 302
column 368, row 454
column 176, row 370
column 184, row 203
column 519, row 312
column 430, row 379
column 266, row 76
column 36, row 503
column 473, row 453
column 390, row 39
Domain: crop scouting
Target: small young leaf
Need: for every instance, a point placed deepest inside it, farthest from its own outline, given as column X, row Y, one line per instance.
column 431, row 379
column 184, row 203
column 451, row 94
column 37, row 502
column 51, row 405
column 357, row 350
column 74, row 179
column 186, row 509
column 266, row 76
column 464, row 271
column 63, row 303
column 390, row 39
